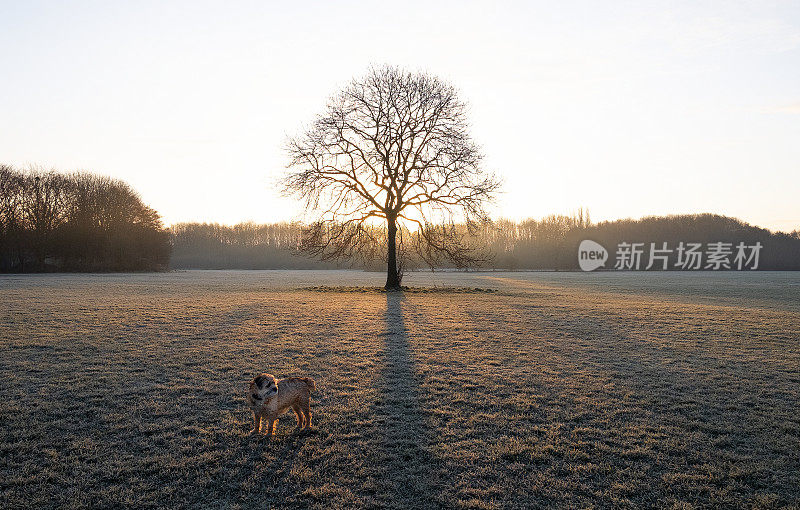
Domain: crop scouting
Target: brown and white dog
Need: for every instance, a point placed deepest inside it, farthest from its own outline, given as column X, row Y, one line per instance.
column 269, row 398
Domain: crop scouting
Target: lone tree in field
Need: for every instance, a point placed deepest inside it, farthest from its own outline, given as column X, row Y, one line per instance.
column 391, row 146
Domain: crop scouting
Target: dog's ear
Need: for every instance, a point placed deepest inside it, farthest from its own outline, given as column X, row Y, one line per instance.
column 260, row 380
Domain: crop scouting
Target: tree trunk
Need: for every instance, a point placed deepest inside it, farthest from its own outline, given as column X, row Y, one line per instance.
column 392, row 278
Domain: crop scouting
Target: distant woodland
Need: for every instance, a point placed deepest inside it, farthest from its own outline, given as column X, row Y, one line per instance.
column 549, row 243
column 552, row 243
column 242, row 246
column 51, row 221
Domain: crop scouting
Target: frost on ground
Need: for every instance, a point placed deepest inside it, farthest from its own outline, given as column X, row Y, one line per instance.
column 554, row 390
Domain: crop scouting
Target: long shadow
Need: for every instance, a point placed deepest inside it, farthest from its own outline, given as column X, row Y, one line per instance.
column 408, row 469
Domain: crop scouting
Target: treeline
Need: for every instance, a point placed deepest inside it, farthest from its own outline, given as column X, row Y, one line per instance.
column 553, row 243
column 549, row 243
column 531, row 243
column 243, row 246
column 51, row 221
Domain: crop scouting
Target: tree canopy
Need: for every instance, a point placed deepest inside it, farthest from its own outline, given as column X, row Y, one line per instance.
column 76, row 222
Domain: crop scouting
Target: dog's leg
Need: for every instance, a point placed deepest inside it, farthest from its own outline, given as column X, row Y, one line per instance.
column 300, row 416
column 305, row 407
column 256, row 423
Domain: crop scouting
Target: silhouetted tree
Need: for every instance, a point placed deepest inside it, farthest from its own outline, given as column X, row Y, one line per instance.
column 391, row 146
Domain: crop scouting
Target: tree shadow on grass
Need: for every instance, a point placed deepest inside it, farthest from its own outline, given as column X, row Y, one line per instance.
column 406, row 466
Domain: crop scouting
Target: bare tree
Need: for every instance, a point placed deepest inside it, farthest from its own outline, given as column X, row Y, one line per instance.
column 393, row 147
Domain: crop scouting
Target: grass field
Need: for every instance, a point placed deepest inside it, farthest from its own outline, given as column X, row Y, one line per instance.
column 570, row 390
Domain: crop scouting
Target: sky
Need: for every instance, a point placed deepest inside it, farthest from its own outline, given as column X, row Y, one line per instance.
column 626, row 109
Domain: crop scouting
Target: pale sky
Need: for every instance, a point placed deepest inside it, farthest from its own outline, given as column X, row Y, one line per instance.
column 625, row 108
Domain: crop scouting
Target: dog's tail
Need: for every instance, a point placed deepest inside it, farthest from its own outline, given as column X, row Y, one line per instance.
column 309, row 382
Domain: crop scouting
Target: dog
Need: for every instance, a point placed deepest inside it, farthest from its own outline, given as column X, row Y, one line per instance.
column 269, row 398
